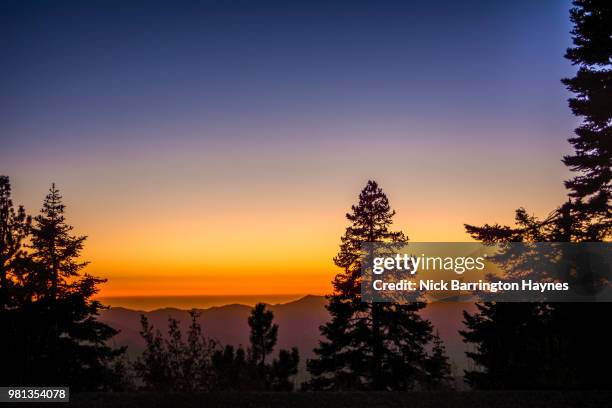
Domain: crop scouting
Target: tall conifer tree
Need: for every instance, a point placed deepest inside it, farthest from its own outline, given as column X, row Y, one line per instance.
column 14, row 228
column 368, row 346
column 263, row 334
column 559, row 345
column 54, row 248
column 591, row 188
column 66, row 341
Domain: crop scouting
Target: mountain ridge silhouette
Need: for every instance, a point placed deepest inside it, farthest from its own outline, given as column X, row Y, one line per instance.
column 298, row 321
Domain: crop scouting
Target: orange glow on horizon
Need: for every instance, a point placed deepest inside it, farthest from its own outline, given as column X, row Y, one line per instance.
column 170, row 223
column 202, row 265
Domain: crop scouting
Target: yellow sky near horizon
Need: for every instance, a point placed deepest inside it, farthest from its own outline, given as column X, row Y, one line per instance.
column 275, row 252
column 279, row 252
column 216, row 151
column 175, row 224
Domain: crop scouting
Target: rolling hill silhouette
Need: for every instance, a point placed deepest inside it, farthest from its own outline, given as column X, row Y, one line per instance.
column 298, row 322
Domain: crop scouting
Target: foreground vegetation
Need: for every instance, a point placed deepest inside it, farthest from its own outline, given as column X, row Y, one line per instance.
column 501, row 399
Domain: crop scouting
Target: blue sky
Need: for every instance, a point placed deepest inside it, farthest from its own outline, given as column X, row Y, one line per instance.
column 202, row 121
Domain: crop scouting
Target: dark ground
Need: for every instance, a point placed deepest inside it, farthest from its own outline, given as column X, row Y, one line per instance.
column 505, row 399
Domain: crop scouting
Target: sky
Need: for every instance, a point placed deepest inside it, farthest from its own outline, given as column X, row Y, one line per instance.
column 213, row 147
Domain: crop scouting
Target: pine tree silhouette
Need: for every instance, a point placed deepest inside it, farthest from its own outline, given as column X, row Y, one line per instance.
column 437, row 366
column 231, row 370
column 548, row 345
column 54, row 248
column 263, row 334
column 14, row 228
column 53, row 334
column 263, row 338
column 591, row 190
column 284, row 368
column 368, row 346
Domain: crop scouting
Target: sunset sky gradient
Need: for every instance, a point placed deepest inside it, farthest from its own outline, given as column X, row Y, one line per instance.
column 214, row 147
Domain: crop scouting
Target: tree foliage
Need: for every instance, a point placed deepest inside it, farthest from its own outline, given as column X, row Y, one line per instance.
column 369, row 346
column 14, row 228
column 547, row 345
column 590, row 188
column 52, row 335
column 200, row 364
column 263, row 334
column 536, row 345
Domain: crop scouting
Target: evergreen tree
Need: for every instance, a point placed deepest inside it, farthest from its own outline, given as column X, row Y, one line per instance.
column 263, row 334
column 231, row 369
column 536, row 345
column 437, row 366
column 283, row 368
column 263, row 338
column 517, row 344
column 513, row 346
column 14, row 227
column 591, row 190
column 69, row 343
column 51, row 334
column 368, row 346
column 55, row 250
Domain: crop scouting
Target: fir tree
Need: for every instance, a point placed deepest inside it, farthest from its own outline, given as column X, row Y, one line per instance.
column 368, row 346
column 437, row 366
column 263, row 337
column 67, row 342
column 558, row 345
column 591, row 190
column 512, row 346
column 55, row 250
column 284, row 368
column 263, row 334
column 517, row 346
column 14, row 228
column 231, row 369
